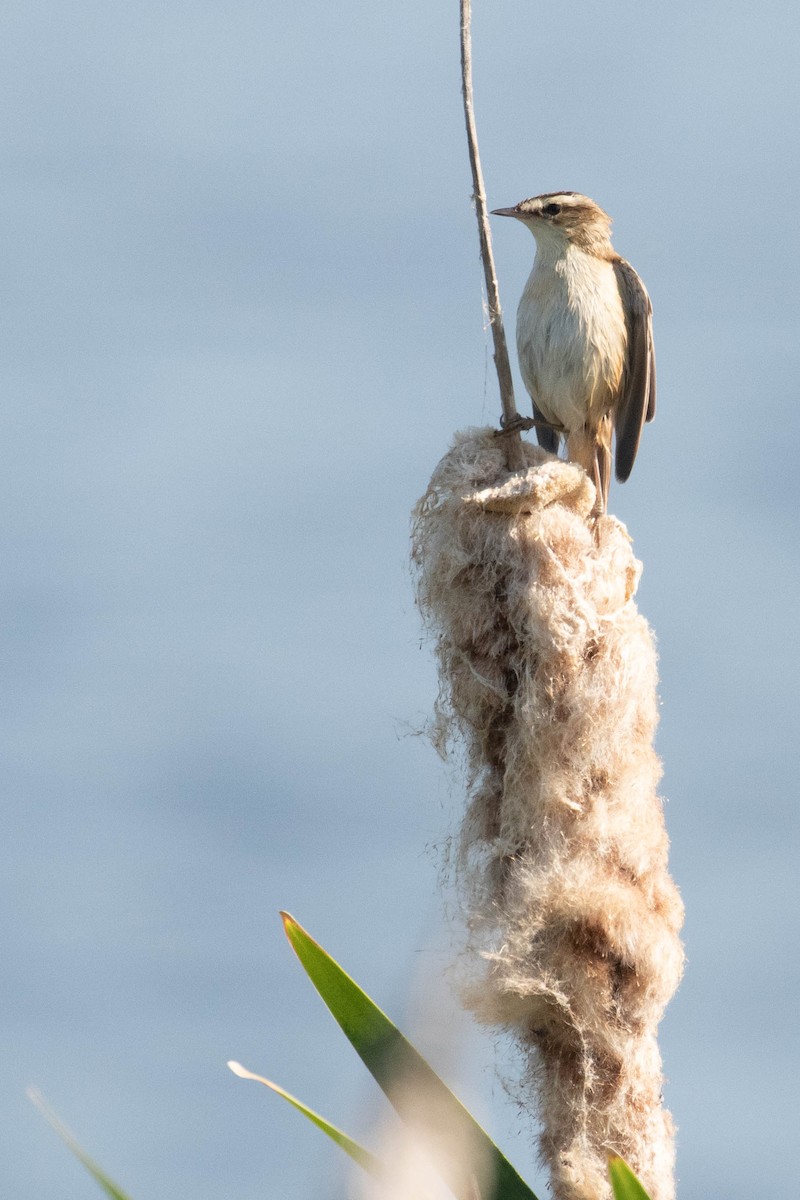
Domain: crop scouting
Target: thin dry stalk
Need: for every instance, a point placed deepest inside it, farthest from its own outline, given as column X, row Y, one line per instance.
column 514, row 454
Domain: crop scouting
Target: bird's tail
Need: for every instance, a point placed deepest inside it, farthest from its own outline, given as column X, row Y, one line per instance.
column 592, row 449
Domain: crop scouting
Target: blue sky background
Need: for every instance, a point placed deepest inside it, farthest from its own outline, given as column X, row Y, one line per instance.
column 241, row 320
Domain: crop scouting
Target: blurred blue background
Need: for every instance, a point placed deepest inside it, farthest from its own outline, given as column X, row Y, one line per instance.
column 241, row 320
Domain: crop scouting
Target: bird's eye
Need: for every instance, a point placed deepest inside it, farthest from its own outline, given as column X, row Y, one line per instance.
column 551, row 210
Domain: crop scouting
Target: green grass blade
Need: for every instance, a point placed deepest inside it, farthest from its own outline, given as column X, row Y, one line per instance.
column 100, row 1177
column 390, row 1058
column 358, row 1153
column 624, row 1183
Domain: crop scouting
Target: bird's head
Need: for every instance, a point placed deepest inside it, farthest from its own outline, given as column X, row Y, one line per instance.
column 558, row 218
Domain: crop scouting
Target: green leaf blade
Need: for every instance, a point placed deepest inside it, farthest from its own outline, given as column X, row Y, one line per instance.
column 624, row 1183
column 359, row 1154
column 389, row 1056
column 107, row 1184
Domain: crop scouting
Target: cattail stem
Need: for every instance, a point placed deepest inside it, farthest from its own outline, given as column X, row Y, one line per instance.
column 548, row 677
column 514, row 452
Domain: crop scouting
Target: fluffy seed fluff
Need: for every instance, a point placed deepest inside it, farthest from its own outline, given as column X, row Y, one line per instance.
column 548, row 677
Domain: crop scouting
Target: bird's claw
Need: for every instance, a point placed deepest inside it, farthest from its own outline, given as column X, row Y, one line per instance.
column 516, row 424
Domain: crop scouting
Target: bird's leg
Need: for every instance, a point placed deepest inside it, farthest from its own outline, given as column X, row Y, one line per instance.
column 590, row 448
column 600, row 497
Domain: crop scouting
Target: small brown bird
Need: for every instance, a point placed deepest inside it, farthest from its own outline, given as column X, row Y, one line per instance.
column 584, row 337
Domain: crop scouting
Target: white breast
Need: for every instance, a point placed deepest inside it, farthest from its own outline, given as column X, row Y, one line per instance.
column 571, row 336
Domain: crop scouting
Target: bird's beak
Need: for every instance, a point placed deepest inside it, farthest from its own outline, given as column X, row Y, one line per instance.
column 505, row 212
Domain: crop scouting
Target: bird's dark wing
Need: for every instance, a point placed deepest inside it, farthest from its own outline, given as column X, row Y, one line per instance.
column 651, row 403
column 547, row 438
column 637, row 401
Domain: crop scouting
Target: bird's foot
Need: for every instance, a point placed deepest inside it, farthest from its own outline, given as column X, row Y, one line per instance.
column 515, row 425
column 518, row 423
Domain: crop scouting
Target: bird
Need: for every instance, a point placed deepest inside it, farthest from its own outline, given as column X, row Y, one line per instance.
column 584, row 338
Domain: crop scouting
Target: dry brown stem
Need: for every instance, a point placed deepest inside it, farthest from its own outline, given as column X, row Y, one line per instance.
column 513, row 442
